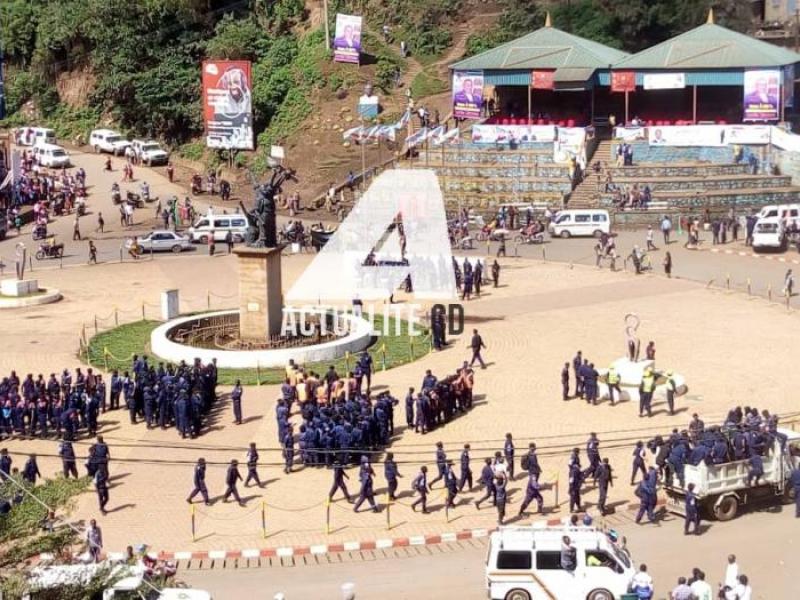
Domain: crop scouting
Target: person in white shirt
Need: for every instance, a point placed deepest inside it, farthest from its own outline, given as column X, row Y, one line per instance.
column 642, row 582
column 699, row 587
column 731, row 572
column 742, row 591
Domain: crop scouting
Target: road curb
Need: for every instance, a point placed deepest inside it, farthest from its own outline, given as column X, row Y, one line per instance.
column 338, row 547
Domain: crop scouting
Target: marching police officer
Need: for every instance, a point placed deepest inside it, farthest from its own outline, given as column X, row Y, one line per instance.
column 252, row 466
column 101, row 485
column 338, row 481
column 487, row 479
column 420, row 484
column 288, row 449
column 366, row 492
column 605, row 478
column 441, row 464
column 231, row 477
column 391, row 473
column 466, row 472
column 410, row 408
column 593, row 454
column 508, row 452
column 692, row 511
column 502, row 496
column 577, row 362
column 532, row 492
column 575, row 481
column 638, row 461
column 451, row 483
column 532, row 461
column 200, row 482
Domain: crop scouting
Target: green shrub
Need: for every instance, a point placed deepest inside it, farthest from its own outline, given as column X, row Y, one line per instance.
column 192, row 151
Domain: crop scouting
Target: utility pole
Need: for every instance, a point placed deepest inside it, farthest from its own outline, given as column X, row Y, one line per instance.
column 327, row 29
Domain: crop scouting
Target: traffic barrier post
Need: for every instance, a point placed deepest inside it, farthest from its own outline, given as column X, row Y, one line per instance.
column 389, row 511
column 347, row 361
column 258, row 373
column 95, row 324
column 264, row 519
column 728, row 281
column 194, row 535
column 143, row 317
column 116, row 317
column 769, row 292
column 749, row 287
column 105, row 359
column 544, row 254
column 383, row 356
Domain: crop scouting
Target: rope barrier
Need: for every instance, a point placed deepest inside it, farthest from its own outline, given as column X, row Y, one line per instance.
column 235, row 518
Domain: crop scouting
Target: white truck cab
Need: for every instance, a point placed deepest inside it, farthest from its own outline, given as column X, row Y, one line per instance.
column 524, row 563
column 769, row 233
column 107, row 140
column 150, row 152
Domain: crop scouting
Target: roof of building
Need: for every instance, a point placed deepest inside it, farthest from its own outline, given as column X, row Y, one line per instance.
column 710, row 46
column 545, row 48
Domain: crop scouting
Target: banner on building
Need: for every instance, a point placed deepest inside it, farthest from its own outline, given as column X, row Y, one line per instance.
column 467, row 94
column 347, row 39
column 368, row 106
column 518, row 134
column 630, row 134
column 788, row 86
column 747, row 134
column 762, row 91
column 785, row 140
column 623, row 81
column 227, row 106
column 688, row 135
column 664, row 81
column 570, row 143
column 543, row 80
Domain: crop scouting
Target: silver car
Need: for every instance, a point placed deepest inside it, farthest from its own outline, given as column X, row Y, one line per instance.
column 163, row 240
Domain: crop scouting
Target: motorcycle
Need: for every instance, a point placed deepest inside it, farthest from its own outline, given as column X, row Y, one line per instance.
column 116, row 196
column 80, row 207
column 47, row 250
column 134, row 200
column 529, row 237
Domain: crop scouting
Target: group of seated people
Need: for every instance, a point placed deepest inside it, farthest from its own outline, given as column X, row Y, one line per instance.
column 629, row 196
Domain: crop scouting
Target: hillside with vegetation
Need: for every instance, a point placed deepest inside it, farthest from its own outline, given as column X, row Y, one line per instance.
column 74, row 64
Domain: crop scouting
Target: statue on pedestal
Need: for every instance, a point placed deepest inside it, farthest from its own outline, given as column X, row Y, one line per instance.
column 262, row 224
column 633, row 342
column 20, row 255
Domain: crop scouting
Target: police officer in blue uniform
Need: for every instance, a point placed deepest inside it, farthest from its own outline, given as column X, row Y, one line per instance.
column 451, row 484
column 638, row 461
column 236, row 400
column 420, row 485
column 67, row 454
column 200, row 482
column 532, row 492
column 756, row 469
column 101, row 486
column 232, row 476
column 487, row 479
column 575, row 481
column 692, row 511
column 466, row 471
column 410, row 408
column 366, row 492
column 288, row 450
column 252, row 466
column 338, row 482
column 508, row 453
column 605, row 478
column 391, row 473
column 441, row 464
column 565, row 382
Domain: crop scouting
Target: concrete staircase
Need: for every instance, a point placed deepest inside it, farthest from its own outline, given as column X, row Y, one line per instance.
column 585, row 193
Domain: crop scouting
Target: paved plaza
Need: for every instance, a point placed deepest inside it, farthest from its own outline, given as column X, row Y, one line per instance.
column 731, row 348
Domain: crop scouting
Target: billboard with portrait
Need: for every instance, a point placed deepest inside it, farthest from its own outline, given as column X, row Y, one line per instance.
column 762, row 93
column 227, row 104
column 467, row 94
column 347, row 39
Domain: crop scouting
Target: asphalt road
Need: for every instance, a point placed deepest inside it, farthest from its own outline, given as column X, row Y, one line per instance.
column 766, row 543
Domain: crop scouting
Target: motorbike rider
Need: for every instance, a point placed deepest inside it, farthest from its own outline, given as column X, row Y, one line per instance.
column 115, row 193
column 108, row 164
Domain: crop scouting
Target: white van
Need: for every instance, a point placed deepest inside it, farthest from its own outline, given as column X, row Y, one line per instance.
column 50, row 155
column 107, row 140
column 524, row 563
column 150, row 152
column 30, row 136
column 220, row 225
column 769, row 233
column 577, row 222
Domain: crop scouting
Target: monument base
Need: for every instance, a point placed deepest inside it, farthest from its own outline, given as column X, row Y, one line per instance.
column 18, row 287
column 260, row 293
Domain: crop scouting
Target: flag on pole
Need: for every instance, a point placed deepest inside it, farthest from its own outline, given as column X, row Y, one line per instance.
column 451, row 136
column 435, row 133
column 351, row 133
column 403, row 120
column 417, row 138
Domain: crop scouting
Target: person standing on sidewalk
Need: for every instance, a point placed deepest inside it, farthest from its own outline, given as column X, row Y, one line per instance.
column 229, row 241
column 101, row 223
column 92, row 253
column 94, row 540
column 76, row 228
column 212, row 243
column 476, row 344
column 649, row 238
column 668, row 265
column 788, row 283
column 666, row 228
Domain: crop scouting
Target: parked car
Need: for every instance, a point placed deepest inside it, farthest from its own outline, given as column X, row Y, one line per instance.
column 107, row 140
column 163, row 240
column 150, row 152
column 30, row 136
column 50, row 155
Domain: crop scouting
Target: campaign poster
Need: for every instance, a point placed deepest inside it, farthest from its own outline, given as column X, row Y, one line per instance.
column 505, row 134
column 543, row 80
column 664, row 81
column 762, row 92
column 748, row 134
column 347, row 39
column 623, row 81
column 227, row 104
column 570, row 143
column 467, row 94
column 368, row 106
column 688, row 135
column 630, row 134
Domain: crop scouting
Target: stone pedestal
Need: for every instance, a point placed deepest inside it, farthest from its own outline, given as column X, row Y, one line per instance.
column 18, row 287
column 170, row 305
column 260, row 293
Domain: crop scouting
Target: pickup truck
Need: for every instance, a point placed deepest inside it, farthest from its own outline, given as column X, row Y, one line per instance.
column 722, row 489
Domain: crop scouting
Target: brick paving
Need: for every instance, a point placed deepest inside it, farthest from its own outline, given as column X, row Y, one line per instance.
column 541, row 315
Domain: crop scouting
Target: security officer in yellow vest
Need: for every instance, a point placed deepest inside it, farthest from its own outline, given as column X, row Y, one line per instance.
column 671, row 389
column 613, row 384
column 646, row 388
